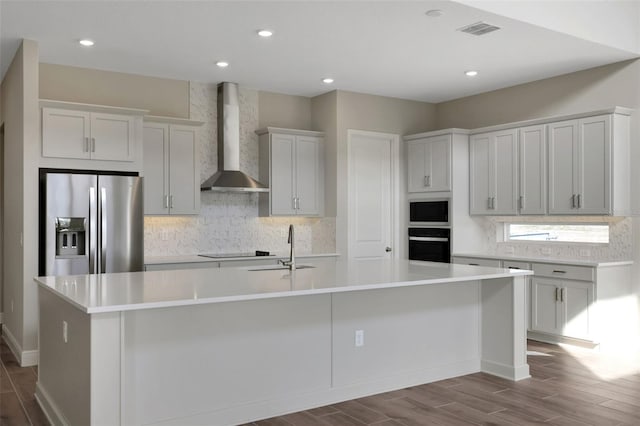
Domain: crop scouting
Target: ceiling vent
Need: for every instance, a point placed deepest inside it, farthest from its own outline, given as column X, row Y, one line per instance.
column 479, row 28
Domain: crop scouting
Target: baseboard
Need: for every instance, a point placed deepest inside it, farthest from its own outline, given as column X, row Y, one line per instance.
column 506, row 371
column 307, row 400
column 555, row 339
column 25, row 358
column 49, row 408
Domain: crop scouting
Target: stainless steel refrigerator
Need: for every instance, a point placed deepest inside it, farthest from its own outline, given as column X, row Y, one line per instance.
column 90, row 223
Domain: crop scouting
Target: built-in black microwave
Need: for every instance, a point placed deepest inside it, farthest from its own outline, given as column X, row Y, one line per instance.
column 429, row 212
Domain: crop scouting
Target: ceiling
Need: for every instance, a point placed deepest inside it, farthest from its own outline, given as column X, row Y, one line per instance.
column 387, row 48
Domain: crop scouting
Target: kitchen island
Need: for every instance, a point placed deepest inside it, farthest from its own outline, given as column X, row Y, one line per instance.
column 231, row 345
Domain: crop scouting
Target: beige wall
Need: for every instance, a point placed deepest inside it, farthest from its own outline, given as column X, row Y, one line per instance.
column 20, row 245
column 161, row 96
column 280, row 110
column 593, row 89
column 324, row 117
column 378, row 114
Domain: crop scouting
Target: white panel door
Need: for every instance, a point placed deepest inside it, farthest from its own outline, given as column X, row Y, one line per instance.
column 371, row 213
column 282, row 182
column 533, row 170
column 506, row 172
column 438, row 162
column 416, row 165
column 594, row 159
column 577, row 300
column 545, row 310
column 65, row 133
column 307, row 173
column 563, row 170
column 112, row 137
column 184, row 174
column 481, row 181
column 156, row 168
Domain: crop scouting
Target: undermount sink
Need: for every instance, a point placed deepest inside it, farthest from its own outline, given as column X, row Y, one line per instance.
column 279, row 267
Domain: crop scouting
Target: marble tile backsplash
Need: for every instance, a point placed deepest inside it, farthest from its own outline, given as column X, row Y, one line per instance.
column 620, row 245
column 229, row 222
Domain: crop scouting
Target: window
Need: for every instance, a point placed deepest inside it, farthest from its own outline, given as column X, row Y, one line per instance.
column 573, row 233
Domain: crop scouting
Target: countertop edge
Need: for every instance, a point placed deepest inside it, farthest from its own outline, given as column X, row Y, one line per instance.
column 577, row 262
column 194, row 258
column 280, row 294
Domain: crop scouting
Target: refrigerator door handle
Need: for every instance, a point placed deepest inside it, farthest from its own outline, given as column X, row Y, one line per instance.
column 93, row 234
column 103, row 230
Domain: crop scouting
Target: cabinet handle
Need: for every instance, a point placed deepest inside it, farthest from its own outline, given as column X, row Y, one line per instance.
column 489, row 203
column 473, row 264
column 170, row 201
column 558, row 271
column 562, row 290
column 427, row 181
column 573, row 201
column 521, row 202
column 579, row 201
column 86, row 145
column 93, row 144
column 513, row 267
column 165, row 201
column 493, row 203
column 557, row 293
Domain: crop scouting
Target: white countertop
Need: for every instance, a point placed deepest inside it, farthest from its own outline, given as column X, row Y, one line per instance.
column 194, row 258
column 577, row 262
column 160, row 289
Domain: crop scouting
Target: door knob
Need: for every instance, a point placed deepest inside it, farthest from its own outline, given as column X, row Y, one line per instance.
column 387, row 249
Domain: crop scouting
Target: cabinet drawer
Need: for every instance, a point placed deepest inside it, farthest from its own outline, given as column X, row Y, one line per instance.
column 569, row 272
column 494, row 263
column 513, row 264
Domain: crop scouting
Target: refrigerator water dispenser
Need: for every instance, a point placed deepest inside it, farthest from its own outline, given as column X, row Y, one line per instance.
column 70, row 236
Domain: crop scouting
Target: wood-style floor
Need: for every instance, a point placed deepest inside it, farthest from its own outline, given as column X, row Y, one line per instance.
column 569, row 387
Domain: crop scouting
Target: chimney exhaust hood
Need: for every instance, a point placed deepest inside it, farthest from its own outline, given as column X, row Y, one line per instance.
column 229, row 178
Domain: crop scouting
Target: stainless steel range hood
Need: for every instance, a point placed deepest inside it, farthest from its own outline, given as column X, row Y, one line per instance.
column 229, row 178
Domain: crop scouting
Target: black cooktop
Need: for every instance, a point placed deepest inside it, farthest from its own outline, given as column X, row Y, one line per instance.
column 226, row 255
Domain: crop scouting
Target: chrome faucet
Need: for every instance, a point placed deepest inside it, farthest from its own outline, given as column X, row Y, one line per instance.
column 291, row 263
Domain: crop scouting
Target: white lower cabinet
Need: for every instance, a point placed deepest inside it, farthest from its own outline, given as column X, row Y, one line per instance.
column 171, row 168
column 562, row 307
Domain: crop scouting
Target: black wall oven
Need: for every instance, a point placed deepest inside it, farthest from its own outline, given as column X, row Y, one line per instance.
column 429, row 212
column 431, row 244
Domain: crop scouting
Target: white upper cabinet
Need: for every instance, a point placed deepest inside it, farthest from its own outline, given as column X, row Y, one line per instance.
column 171, row 167
column 493, row 160
column 532, row 172
column 292, row 165
column 87, row 135
column 589, row 166
column 578, row 166
column 429, row 164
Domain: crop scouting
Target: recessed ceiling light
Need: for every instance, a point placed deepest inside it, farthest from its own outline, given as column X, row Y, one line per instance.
column 327, row 80
column 434, row 13
column 222, row 64
column 265, row 33
column 471, row 73
column 86, row 42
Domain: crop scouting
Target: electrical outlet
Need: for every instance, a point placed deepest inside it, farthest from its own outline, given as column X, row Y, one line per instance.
column 65, row 332
column 359, row 338
column 508, row 249
column 546, row 251
column 585, row 252
column 164, row 235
